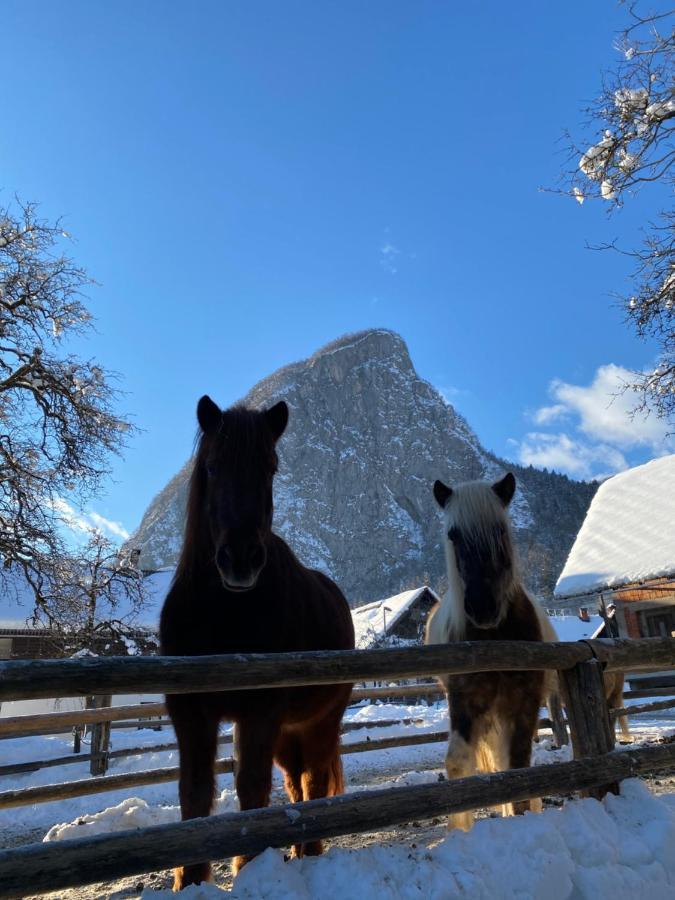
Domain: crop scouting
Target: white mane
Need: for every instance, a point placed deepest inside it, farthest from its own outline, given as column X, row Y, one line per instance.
column 474, row 509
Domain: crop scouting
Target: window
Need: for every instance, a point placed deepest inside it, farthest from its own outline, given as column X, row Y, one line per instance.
column 5, row 648
column 660, row 623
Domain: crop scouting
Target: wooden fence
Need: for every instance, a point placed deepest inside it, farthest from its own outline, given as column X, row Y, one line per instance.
column 596, row 768
column 48, row 723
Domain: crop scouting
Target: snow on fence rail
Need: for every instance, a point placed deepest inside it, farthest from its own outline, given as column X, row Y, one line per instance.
column 596, row 769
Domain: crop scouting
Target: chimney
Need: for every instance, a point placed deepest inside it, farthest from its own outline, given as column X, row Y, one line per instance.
column 583, row 614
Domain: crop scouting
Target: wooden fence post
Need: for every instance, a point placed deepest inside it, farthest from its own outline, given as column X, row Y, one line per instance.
column 588, row 716
column 100, row 736
column 558, row 724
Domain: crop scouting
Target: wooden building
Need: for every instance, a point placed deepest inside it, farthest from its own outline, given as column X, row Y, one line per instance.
column 622, row 563
column 399, row 619
column 623, row 560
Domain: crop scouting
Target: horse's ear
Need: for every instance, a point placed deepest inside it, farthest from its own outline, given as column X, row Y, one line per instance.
column 442, row 493
column 277, row 418
column 209, row 414
column 506, row 488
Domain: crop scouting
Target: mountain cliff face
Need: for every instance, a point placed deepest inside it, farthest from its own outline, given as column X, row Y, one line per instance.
column 367, row 437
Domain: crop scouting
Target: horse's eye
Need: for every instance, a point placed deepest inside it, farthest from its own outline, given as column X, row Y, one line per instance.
column 210, row 471
column 453, row 534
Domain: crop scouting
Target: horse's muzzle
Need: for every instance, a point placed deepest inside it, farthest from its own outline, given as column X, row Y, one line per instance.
column 482, row 608
column 240, row 567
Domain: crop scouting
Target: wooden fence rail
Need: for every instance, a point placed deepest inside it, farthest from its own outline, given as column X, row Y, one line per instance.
column 134, row 715
column 35, row 679
column 38, row 868
column 49, row 792
column 36, row 765
column 55, row 722
column 51, row 723
column 73, row 758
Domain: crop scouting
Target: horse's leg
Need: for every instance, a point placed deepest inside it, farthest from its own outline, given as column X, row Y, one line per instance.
column 322, row 767
column 492, row 752
column 460, row 759
column 197, row 735
column 615, row 701
column 256, row 738
column 288, row 755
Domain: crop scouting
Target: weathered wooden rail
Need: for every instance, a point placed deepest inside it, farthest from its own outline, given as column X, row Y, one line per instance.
column 580, row 666
column 62, row 791
column 74, row 758
column 38, row 868
column 57, row 722
column 36, row 765
column 38, row 679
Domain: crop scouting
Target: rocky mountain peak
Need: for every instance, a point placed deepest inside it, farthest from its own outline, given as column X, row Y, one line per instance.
column 366, row 439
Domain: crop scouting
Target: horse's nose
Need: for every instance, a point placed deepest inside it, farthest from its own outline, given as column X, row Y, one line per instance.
column 240, row 562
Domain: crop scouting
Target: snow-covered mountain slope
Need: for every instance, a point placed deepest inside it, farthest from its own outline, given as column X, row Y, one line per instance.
column 367, row 437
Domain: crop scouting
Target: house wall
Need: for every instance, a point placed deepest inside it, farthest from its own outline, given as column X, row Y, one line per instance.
column 648, row 609
column 42, row 644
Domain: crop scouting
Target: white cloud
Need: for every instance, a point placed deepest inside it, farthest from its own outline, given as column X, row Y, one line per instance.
column 564, row 454
column 115, row 528
column 79, row 521
column 389, row 257
column 69, row 516
column 547, row 414
column 605, row 410
column 605, row 427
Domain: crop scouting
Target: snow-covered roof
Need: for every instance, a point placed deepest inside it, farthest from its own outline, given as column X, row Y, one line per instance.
column 628, row 534
column 572, row 628
column 374, row 620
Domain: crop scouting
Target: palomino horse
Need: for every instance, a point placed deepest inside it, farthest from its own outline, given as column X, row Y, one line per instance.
column 493, row 715
column 239, row 588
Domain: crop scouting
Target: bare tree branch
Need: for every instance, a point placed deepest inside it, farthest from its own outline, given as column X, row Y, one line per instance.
column 58, row 426
column 631, row 146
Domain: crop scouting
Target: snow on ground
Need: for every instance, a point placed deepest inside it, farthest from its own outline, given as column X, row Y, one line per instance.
column 620, row 848
column 628, row 534
column 156, row 804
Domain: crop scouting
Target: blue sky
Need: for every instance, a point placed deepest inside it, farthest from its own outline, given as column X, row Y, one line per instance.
column 249, row 180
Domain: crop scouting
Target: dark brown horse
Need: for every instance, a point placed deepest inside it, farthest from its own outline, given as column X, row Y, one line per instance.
column 239, row 588
column 493, row 715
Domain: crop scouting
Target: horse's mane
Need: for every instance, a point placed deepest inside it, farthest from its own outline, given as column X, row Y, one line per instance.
column 475, row 510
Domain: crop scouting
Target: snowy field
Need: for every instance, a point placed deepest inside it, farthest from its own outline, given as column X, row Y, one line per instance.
column 573, row 851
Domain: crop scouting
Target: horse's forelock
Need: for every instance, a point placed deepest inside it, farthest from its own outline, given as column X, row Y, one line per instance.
column 477, row 512
column 242, row 434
